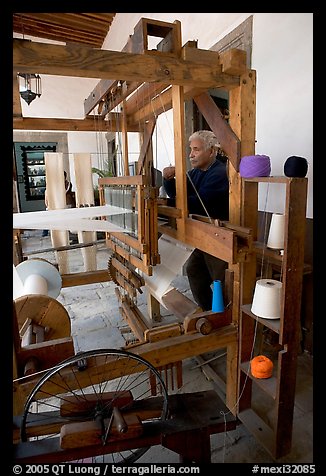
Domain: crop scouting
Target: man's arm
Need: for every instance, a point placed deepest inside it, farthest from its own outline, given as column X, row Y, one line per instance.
column 169, row 181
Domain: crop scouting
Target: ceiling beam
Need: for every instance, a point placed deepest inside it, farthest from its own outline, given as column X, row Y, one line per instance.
column 84, row 28
column 145, row 94
column 114, row 93
column 85, row 125
column 161, row 103
column 79, row 61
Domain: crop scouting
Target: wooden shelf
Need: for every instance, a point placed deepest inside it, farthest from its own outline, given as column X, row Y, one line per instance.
column 274, row 256
column 261, row 249
column 276, row 437
column 275, row 179
column 273, row 324
column 266, row 384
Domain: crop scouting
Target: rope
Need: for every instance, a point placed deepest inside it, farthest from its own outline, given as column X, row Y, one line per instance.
column 202, row 203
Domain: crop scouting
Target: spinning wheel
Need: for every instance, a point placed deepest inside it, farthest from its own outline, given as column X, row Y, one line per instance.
column 86, row 405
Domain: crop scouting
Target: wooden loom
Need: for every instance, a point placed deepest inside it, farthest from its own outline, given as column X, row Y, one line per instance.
column 160, row 79
column 230, row 242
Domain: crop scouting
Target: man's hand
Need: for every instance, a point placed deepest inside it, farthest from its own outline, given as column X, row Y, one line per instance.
column 168, row 173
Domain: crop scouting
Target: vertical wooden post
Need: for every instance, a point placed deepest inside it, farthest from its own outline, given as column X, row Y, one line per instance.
column 179, row 153
column 17, row 108
column 231, row 377
column 153, row 307
column 289, row 337
column 125, row 140
column 242, row 107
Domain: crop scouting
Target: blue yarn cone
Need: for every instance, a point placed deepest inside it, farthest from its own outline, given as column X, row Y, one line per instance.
column 218, row 305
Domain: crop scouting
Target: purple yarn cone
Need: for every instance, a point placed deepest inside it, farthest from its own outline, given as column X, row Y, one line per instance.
column 255, row 166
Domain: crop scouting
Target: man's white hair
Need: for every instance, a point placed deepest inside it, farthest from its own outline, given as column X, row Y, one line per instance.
column 208, row 138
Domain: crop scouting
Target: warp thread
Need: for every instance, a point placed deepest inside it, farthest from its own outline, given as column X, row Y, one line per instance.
column 295, row 166
column 255, row 166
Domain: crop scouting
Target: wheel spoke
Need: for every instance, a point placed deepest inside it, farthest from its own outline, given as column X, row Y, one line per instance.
column 73, row 393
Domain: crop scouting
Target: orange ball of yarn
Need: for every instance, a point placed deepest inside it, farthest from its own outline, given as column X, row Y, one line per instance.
column 261, row 367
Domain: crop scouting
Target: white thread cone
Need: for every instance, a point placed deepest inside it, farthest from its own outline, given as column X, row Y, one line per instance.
column 276, row 232
column 35, row 284
column 267, row 299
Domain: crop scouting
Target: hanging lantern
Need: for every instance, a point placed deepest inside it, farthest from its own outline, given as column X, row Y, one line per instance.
column 30, row 86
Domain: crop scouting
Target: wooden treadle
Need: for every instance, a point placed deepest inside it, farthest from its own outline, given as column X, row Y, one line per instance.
column 190, row 414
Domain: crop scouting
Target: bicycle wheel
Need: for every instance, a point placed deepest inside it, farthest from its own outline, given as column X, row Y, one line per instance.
column 90, row 402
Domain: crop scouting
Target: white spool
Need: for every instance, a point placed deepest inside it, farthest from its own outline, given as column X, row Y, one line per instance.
column 267, row 299
column 35, row 284
column 37, row 276
column 276, row 232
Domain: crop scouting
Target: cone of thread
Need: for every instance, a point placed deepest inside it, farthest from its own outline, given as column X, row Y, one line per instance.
column 218, row 305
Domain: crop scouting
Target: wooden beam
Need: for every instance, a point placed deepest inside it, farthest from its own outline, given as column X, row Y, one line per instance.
column 135, row 320
column 111, row 93
column 89, row 124
column 78, row 279
column 80, row 61
column 243, row 122
column 192, row 53
column 130, row 180
column 242, row 107
column 168, row 211
column 138, row 43
column 149, row 129
column 17, row 108
column 143, row 96
column 161, row 103
column 142, row 105
column 103, row 87
column 234, row 61
column 217, row 241
column 214, row 240
column 179, row 154
column 98, row 93
column 227, row 138
column 124, row 131
column 157, row 353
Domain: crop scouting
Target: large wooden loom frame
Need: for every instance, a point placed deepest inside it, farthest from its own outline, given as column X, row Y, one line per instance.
column 184, row 68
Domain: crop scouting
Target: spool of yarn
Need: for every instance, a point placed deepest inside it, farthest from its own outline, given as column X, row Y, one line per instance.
column 266, row 302
column 36, row 276
column 255, row 166
column 35, row 284
column 295, row 166
column 261, row 367
column 276, row 232
column 217, row 305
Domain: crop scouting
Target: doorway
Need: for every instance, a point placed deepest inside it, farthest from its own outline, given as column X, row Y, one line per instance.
column 30, row 167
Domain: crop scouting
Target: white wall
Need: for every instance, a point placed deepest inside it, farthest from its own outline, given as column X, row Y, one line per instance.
column 282, row 58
